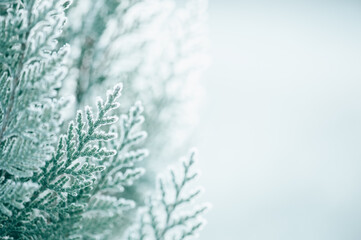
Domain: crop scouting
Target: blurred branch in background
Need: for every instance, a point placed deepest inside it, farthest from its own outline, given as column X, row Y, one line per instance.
column 158, row 50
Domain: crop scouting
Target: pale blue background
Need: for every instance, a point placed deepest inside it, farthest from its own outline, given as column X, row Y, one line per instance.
column 280, row 134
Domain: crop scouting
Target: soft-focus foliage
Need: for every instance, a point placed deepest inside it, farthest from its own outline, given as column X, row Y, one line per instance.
column 164, row 216
column 70, row 184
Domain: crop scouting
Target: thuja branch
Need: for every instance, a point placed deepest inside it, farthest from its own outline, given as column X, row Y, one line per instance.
column 18, row 71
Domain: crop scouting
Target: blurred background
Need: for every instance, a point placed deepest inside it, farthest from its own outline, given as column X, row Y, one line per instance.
column 280, row 128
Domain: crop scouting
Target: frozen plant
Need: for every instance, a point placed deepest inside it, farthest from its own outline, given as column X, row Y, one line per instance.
column 164, row 216
column 67, row 184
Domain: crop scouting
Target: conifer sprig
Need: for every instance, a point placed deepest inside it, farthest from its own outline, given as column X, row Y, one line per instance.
column 164, row 216
column 82, row 143
column 106, row 206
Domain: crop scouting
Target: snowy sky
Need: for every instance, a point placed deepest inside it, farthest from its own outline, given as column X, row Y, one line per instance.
column 280, row 134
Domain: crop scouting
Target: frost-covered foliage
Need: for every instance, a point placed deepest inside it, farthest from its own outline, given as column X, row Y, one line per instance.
column 158, row 49
column 59, row 182
column 30, row 71
column 155, row 47
column 164, row 215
